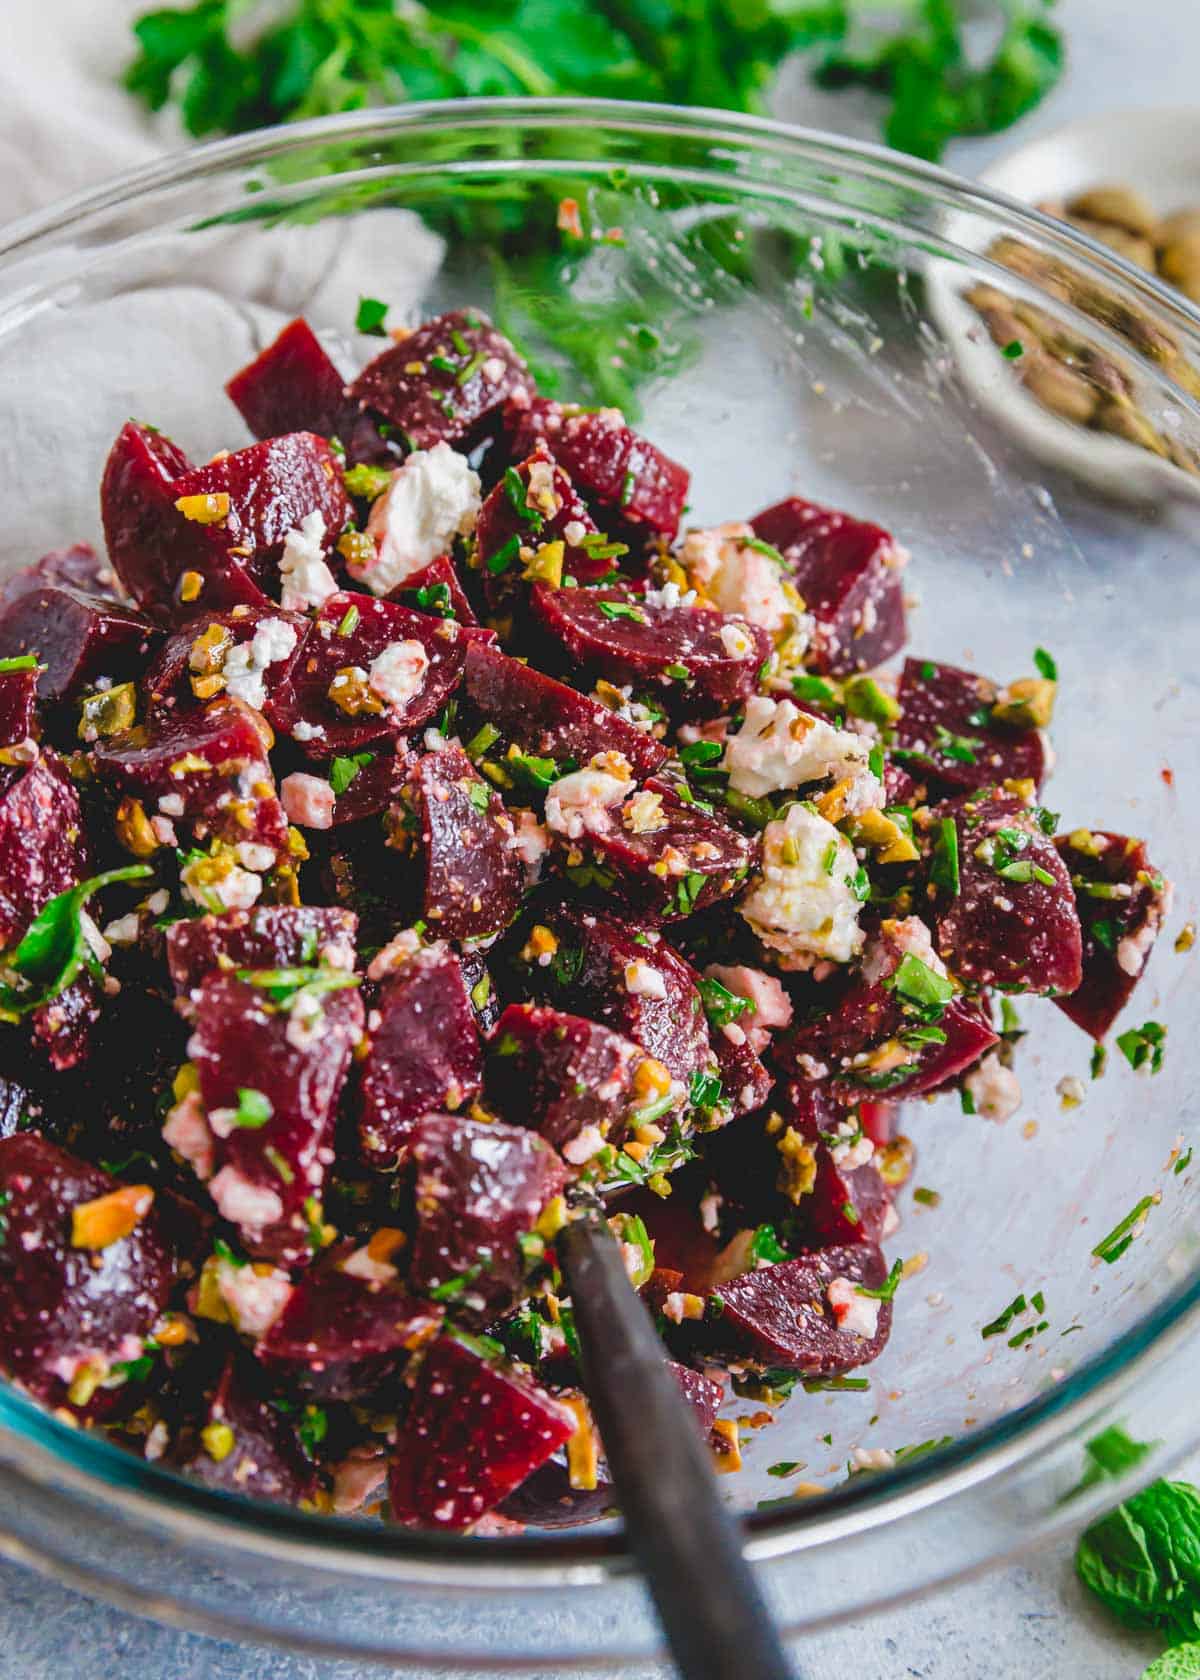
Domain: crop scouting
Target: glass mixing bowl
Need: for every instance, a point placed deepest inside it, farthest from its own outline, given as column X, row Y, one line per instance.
column 773, row 305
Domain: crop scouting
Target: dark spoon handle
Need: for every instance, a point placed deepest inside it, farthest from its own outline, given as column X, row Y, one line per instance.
column 688, row 1547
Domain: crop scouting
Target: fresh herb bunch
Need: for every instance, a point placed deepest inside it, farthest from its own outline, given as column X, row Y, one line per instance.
column 314, row 57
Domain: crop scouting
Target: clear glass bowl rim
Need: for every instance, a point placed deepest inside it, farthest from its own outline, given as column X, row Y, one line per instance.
column 51, row 1452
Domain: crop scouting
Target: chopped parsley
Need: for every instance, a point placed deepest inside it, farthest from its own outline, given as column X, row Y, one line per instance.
column 943, row 866
column 1111, row 1247
column 1001, row 1322
column 765, row 1245
column 253, row 1109
column 1013, row 350
column 887, row 1288
column 342, row 770
column 623, row 609
column 1045, row 664
column 785, row 1467
column 504, row 556
column 480, row 796
column 371, row 315
column 720, row 1004
column 1144, row 1046
column 1099, row 1060
column 918, row 984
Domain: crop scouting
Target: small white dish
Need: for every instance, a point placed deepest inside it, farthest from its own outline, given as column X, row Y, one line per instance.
column 1157, row 153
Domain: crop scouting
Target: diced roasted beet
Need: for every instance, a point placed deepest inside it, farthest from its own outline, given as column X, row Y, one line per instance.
column 845, row 1203
column 1121, row 899
column 698, row 662
column 945, row 733
column 436, row 589
column 667, row 859
column 77, row 567
column 348, row 636
column 850, row 576
column 253, row 1449
column 296, row 1053
column 18, row 707
column 1013, row 922
column 189, row 665
column 474, row 1432
column 78, row 638
column 872, row 1037
column 588, row 976
column 781, row 1316
column 878, row 1120
column 635, row 482
column 63, row 1306
column 291, row 386
column 62, row 1028
column 467, row 371
column 374, row 786
column 473, row 877
column 269, row 488
column 479, row 1189
column 210, row 767
column 269, row 936
column 424, row 1053
column 563, row 1075
column 703, row 1394
column 533, row 503
column 744, row 1079
column 340, row 1337
column 549, row 719
column 42, row 846
column 484, row 998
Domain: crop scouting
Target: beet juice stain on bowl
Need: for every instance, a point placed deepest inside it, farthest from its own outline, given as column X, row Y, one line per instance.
column 446, row 782
column 794, row 855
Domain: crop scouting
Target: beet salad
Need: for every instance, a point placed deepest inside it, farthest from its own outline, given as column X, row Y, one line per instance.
column 413, row 833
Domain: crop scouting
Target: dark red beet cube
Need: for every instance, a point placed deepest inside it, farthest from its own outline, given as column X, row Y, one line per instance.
column 479, row 1188
column 197, row 653
column 77, row 567
column 424, row 1054
column 77, row 638
column 269, row 936
column 562, row 1075
column 703, row 1394
column 62, row 1306
column 265, row 1460
column 850, row 577
column 467, row 371
column 847, row 1203
column 782, row 1316
column 269, row 489
column 291, row 386
column 945, row 732
column 18, row 707
column 534, row 503
column 872, row 1038
column 474, row 1431
column 589, row 977
column 436, row 589
column 349, row 634
column 375, row 786
column 473, row 877
column 744, row 1080
column 210, row 768
column 1121, row 899
column 634, row 482
column 667, row 859
column 341, row 1337
column 296, row 1053
column 1013, row 923
column 549, row 719
column 698, row 662
column 42, row 846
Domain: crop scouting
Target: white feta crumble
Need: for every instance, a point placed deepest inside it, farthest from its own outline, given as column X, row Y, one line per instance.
column 244, row 1203
column 854, row 1148
column 797, row 907
column 397, row 673
column 669, row 596
column 246, row 664
column 237, row 889
column 583, row 1146
column 739, row 578
column 302, row 730
column 255, row 1299
column 171, row 804
column 306, row 579
column 432, row 498
column 778, row 747
column 307, row 800
column 581, row 802
column 187, row 1132
column 994, row 1089
column 872, row 1458
column 124, row 931
column 856, row 1314
column 642, row 980
column 736, row 639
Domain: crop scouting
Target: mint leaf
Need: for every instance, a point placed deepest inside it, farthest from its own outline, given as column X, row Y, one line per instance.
column 54, row 950
column 1142, row 1561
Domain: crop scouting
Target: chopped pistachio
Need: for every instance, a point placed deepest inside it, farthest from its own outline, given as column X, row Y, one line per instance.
column 110, row 711
column 205, row 509
column 1027, row 703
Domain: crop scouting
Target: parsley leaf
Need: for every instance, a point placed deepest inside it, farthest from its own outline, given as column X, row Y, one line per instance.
column 54, row 949
column 720, row 1004
column 342, row 771
column 371, row 316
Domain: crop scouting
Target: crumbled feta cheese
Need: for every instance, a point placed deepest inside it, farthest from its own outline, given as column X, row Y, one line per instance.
column 432, row 498
column 710, row 1211
column 738, row 578
column 641, row 980
column 187, row 1132
column 643, row 812
column 736, row 640
column 530, row 840
column 994, row 1088
column 171, row 804
column 397, row 951
column 302, row 730
column 95, row 940
column 307, row 800
column 770, row 1005
column 580, row 803
column 779, row 747
column 245, row 665
column 872, row 1458
column 856, row 1314
column 306, row 1021
column 574, row 532
column 854, row 1149
column 251, row 854
column 583, row 1146
column 242, row 1202
column 237, row 889
column 670, row 596
column 797, row 907
column 397, row 673
column 255, row 1299
column 362, row 1264
column 124, row 931
column 307, row 580
column 1134, row 948
column 158, row 901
